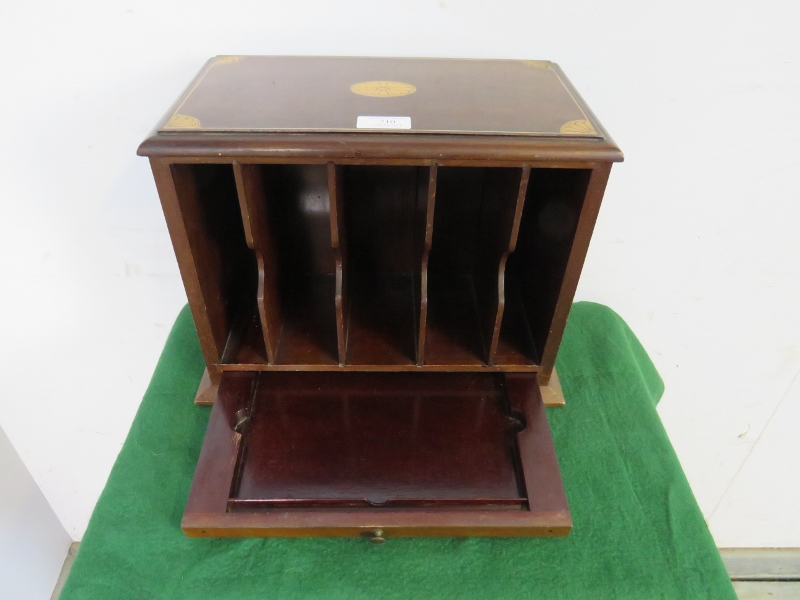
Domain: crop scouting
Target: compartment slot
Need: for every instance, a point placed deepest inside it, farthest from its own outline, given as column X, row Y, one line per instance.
column 286, row 211
column 380, row 206
column 473, row 230
column 507, row 197
column 515, row 345
column 454, row 334
column 536, row 269
column 224, row 266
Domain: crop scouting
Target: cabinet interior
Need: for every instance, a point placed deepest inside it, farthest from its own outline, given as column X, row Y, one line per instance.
column 327, row 266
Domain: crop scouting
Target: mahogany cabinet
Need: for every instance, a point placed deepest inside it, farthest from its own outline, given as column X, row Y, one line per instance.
column 380, row 256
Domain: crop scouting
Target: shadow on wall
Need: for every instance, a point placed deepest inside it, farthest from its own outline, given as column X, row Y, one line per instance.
column 33, row 543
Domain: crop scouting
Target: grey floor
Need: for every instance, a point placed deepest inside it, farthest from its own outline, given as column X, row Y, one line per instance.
column 764, row 572
column 757, row 573
column 73, row 549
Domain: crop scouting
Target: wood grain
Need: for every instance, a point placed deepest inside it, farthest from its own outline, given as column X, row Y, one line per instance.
column 423, row 230
column 314, row 459
column 379, row 312
column 571, row 271
column 253, row 205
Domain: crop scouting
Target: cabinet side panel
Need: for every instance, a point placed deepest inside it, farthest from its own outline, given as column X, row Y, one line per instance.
column 553, row 307
column 208, row 313
column 224, row 266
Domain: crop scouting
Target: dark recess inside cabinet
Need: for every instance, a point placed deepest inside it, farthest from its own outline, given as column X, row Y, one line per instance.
column 430, row 260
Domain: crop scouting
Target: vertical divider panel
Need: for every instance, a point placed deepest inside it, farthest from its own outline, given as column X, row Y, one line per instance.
column 426, row 202
column 253, row 204
column 338, row 242
column 504, row 196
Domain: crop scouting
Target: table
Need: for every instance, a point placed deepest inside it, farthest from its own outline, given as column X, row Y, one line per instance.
column 638, row 532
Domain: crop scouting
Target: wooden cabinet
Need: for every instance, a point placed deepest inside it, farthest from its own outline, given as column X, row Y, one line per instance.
column 380, row 256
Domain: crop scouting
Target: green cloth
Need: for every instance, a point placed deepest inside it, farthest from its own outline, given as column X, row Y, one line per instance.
column 638, row 532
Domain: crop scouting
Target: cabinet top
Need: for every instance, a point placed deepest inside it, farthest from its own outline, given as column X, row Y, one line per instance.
column 360, row 97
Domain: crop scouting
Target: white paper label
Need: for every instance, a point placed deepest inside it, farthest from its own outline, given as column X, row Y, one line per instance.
column 383, row 123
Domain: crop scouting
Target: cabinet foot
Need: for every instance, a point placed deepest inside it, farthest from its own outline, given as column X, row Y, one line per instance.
column 206, row 391
column 552, row 395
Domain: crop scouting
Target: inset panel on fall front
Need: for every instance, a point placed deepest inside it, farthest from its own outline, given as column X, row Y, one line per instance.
column 320, row 440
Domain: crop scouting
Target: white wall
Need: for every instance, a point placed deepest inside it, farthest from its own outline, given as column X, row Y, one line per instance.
column 33, row 544
column 696, row 244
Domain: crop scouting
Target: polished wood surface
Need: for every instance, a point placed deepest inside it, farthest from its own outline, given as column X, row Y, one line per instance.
column 440, row 261
column 293, row 454
column 220, row 452
column 373, row 439
column 397, row 267
column 486, row 302
column 301, row 93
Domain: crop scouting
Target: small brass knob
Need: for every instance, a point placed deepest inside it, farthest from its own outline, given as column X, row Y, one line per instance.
column 377, row 537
